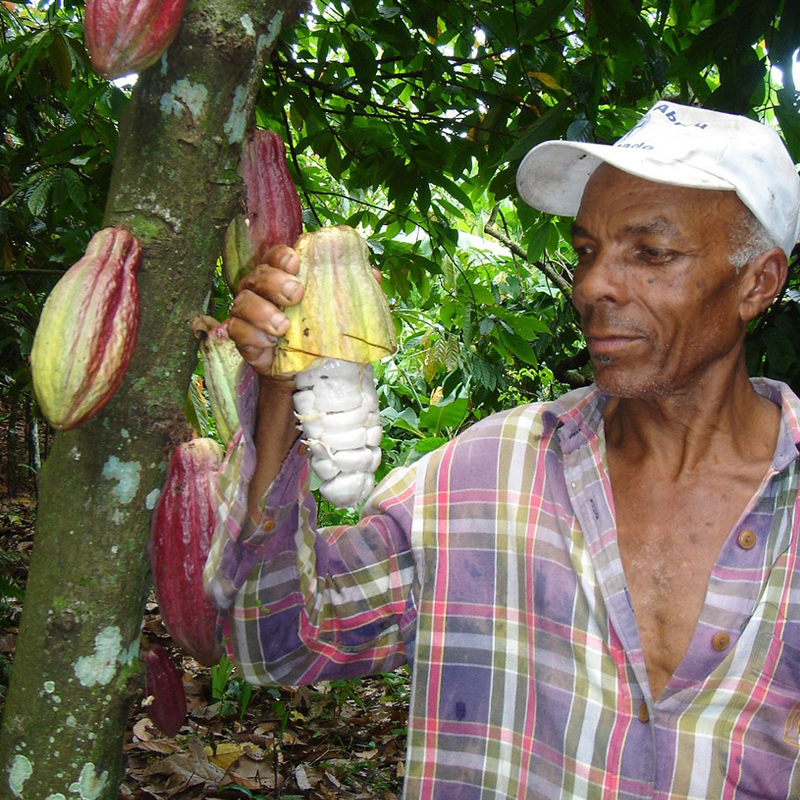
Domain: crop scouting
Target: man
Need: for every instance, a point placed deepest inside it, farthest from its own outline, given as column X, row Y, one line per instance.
column 599, row 596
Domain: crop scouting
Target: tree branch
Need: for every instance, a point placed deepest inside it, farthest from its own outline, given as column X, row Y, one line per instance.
column 543, row 266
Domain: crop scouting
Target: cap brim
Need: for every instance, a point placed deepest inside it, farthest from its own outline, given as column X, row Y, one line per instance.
column 553, row 175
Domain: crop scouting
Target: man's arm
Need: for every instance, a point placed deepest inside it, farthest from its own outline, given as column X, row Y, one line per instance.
column 257, row 320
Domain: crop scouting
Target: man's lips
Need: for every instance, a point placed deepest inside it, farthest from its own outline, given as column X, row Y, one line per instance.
column 608, row 343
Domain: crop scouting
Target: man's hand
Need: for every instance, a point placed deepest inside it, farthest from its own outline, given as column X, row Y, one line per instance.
column 256, row 316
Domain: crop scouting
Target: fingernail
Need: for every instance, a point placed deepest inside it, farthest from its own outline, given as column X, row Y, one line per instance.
column 290, row 289
column 284, row 259
column 279, row 322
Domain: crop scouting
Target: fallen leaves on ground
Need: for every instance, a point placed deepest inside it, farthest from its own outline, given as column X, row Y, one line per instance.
column 329, row 741
column 339, row 739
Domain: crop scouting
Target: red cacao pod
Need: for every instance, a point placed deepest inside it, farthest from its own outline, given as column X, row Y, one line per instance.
column 124, row 36
column 87, row 332
column 183, row 524
column 273, row 213
column 162, row 681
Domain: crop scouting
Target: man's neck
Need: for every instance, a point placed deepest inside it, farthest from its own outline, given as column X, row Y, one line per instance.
column 714, row 422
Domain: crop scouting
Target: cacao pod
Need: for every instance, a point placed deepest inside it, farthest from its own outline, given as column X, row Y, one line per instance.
column 342, row 323
column 87, row 332
column 237, row 252
column 273, row 213
column 162, row 681
column 124, row 36
column 221, row 363
column 182, row 527
column 343, row 313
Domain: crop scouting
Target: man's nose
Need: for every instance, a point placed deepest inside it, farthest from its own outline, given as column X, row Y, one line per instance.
column 601, row 280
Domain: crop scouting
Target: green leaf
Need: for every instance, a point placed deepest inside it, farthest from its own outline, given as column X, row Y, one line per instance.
column 453, row 189
column 406, row 419
column 447, row 415
column 430, row 443
column 60, row 61
column 548, row 126
column 525, row 324
column 482, row 295
column 789, row 118
column 518, row 346
column 71, row 181
column 39, row 195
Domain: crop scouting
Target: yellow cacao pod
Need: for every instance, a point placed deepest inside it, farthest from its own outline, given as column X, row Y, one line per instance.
column 343, row 313
column 87, row 332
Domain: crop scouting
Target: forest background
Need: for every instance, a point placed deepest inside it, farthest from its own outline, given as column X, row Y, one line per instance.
column 406, row 120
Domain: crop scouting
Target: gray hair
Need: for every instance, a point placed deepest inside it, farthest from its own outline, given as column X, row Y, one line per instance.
column 749, row 238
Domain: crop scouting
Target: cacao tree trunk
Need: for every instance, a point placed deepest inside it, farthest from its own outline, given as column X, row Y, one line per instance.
column 175, row 185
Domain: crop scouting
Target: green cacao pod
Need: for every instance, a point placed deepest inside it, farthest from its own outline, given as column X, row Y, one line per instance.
column 124, row 36
column 162, row 681
column 273, row 213
column 237, row 252
column 221, row 363
column 182, row 527
column 87, row 332
column 343, row 313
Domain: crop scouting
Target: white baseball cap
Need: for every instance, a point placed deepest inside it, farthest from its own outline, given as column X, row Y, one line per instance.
column 681, row 146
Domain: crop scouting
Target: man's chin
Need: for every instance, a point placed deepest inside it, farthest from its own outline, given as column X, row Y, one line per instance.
column 617, row 383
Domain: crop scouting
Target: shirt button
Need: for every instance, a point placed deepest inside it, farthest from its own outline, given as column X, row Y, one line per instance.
column 303, row 449
column 269, row 525
column 643, row 713
column 746, row 539
column 720, row 641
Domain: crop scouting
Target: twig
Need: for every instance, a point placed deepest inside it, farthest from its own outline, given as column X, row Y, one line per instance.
column 542, row 266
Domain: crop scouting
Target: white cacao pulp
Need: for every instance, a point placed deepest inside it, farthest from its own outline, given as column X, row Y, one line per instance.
column 337, row 407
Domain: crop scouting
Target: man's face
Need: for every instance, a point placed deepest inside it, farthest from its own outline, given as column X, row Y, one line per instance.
column 656, row 293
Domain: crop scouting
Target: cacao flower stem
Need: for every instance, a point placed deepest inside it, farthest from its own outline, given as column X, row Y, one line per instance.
column 76, row 672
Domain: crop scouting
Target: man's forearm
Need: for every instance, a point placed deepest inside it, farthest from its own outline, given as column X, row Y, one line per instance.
column 276, row 431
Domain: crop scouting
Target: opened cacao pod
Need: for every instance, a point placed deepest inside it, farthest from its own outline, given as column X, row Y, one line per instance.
column 343, row 313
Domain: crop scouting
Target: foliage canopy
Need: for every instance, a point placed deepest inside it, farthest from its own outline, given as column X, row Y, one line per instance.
column 408, row 119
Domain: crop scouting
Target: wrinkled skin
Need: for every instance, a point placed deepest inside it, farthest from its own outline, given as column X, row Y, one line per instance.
column 688, row 440
column 657, row 295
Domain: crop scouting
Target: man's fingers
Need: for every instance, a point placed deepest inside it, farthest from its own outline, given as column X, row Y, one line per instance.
column 283, row 257
column 253, row 309
column 255, row 344
column 273, row 284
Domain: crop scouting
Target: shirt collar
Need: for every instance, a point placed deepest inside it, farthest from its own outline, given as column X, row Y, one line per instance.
column 578, row 415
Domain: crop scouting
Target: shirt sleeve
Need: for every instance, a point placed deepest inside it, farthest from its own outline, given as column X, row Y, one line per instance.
column 299, row 604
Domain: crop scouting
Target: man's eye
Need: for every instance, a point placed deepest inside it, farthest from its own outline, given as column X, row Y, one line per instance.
column 654, row 256
column 581, row 251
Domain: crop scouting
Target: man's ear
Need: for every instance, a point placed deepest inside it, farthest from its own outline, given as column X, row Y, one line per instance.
column 762, row 281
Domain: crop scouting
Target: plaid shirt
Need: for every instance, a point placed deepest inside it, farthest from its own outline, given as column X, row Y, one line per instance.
column 492, row 567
